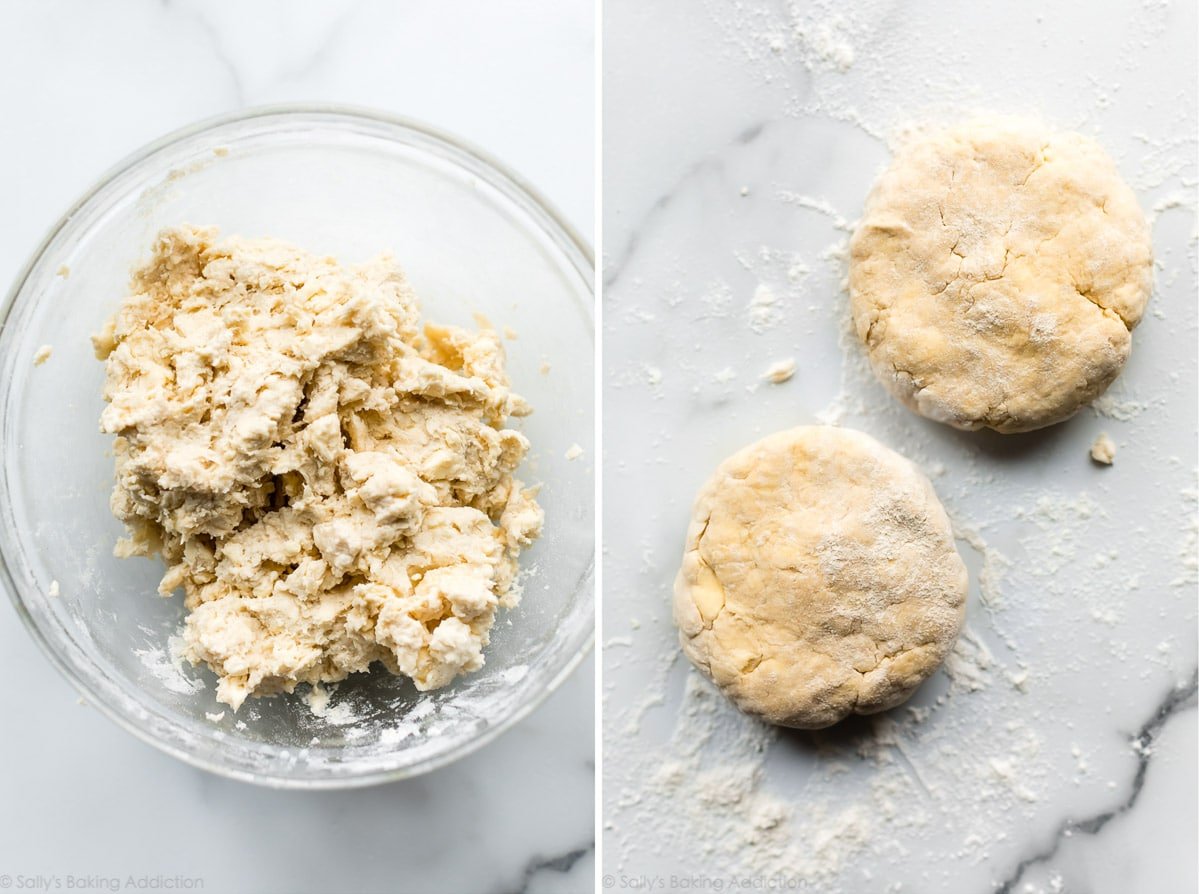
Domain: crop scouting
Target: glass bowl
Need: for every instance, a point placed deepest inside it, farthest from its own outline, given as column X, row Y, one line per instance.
column 472, row 238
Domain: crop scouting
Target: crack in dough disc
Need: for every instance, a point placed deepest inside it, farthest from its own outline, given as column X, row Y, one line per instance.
column 820, row 578
column 997, row 272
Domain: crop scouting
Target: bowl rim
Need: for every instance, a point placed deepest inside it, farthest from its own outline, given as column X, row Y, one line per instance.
column 523, row 190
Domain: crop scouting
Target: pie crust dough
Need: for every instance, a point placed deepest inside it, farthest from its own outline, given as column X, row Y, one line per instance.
column 330, row 483
column 820, row 578
column 997, row 273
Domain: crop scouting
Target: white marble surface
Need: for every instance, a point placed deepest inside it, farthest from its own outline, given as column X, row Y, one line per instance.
column 1056, row 753
column 88, row 83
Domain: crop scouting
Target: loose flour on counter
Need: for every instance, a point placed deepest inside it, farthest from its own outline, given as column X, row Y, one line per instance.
column 330, row 482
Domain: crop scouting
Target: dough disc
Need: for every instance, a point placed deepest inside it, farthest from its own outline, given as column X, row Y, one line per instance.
column 820, row 578
column 996, row 275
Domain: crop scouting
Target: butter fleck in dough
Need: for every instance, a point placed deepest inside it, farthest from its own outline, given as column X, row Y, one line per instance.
column 820, row 578
column 330, row 483
column 997, row 273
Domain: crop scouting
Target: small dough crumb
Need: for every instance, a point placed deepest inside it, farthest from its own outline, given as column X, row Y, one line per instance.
column 1103, row 451
column 54, row 591
column 64, row 271
column 317, row 700
column 780, row 372
column 220, row 151
column 510, row 333
column 574, row 451
column 42, row 354
column 215, row 718
column 544, row 369
column 330, row 481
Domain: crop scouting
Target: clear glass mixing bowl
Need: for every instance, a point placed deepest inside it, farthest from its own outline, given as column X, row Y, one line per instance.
column 473, row 238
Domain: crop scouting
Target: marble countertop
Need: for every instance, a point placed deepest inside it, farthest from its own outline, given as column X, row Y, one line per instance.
column 87, row 84
column 1055, row 752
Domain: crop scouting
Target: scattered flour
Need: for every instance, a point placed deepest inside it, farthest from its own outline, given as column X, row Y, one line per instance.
column 1111, row 407
column 515, row 674
column 969, row 665
column 820, row 206
column 318, row 697
column 764, row 309
column 1188, row 547
column 167, row 667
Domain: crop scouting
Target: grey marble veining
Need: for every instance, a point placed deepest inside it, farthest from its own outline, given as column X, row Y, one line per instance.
column 1177, row 700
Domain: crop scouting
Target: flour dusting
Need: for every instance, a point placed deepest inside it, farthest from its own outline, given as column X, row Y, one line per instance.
column 167, row 667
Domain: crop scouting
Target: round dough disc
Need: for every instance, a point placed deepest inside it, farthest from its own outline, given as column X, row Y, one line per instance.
column 996, row 274
column 820, row 578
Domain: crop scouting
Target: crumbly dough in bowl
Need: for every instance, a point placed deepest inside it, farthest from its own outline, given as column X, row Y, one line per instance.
column 330, row 483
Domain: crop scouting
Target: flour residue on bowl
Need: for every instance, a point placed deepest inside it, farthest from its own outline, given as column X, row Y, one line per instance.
column 166, row 664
